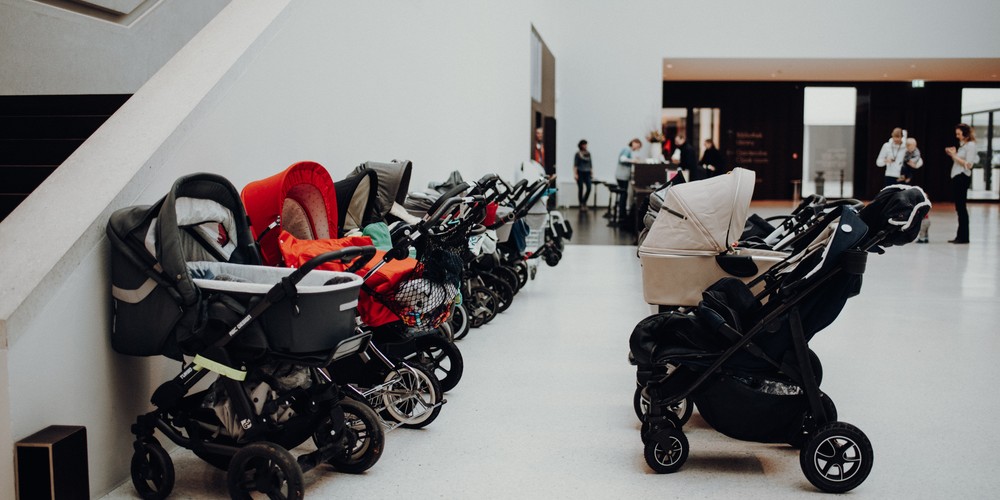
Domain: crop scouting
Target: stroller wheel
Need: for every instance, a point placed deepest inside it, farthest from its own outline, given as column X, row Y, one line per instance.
column 509, row 276
column 683, row 409
column 441, row 358
column 152, row 470
column 459, row 322
column 412, row 396
column 482, row 306
column 552, row 257
column 521, row 268
column 837, row 458
column 503, row 291
column 366, row 438
column 667, row 451
column 266, row 468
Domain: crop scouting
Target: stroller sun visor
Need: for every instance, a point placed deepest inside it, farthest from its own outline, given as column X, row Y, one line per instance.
column 301, row 199
column 357, row 201
column 393, row 182
column 702, row 218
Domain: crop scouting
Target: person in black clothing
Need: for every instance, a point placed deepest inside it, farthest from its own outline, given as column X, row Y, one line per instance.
column 712, row 160
column 688, row 158
column 582, row 171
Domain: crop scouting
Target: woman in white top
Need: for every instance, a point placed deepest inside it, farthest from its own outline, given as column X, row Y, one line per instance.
column 963, row 158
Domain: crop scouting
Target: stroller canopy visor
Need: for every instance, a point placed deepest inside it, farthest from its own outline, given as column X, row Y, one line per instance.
column 702, row 218
column 393, row 182
column 302, row 196
column 357, row 201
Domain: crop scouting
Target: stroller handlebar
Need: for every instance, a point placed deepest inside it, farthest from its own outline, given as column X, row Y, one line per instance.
column 360, row 256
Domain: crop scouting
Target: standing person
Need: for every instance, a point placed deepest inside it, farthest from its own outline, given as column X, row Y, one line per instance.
column 538, row 154
column 712, row 160
column 963, row 158
column 623, row 174
column 890, row 157
column 687, row 158
column 583, row 170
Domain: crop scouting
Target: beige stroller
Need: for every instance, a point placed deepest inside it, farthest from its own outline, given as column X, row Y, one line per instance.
column 693, row 241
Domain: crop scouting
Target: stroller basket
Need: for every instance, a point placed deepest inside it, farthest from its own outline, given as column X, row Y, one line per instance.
column 419, row 301
column 317, row 318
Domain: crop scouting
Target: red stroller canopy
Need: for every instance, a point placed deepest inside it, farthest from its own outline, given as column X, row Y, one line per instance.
column 301, row 200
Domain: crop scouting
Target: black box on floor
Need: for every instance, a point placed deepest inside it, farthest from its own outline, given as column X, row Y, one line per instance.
column 52, row 464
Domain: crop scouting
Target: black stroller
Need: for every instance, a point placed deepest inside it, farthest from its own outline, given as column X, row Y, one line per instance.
column 744, row 359
column 187, row 283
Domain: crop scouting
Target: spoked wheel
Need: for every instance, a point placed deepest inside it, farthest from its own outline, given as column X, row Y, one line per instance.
column 459, row 322
column 503, row 291
column 441, row 358
column 412, row 396
column 666, row 451
column 152, row 470
column 365, row 438
column 509, row 276
column 523, row 275
column 640, row 402
column 265, row 468
column 482, row 306
column 837, row 458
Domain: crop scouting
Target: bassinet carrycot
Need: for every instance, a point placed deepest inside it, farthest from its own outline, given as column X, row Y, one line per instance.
column 692, row 243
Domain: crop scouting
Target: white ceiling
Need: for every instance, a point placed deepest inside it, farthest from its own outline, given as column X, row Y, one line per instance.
column 833, row 70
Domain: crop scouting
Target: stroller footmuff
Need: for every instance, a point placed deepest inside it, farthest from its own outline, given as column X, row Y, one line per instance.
column 186, row 284
column 742, row 355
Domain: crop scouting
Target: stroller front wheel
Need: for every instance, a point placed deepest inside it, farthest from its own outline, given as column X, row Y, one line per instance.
column 640, row 402
column 266, row 468
column 152, row 470
column 366, row 438
column 667, row 451
column 837, row 458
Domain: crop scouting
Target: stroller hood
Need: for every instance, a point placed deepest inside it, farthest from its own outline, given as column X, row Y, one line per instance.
column 357, row 201
column 393, row 182
column 702, row 218
column 301, row 199
column 897, row 210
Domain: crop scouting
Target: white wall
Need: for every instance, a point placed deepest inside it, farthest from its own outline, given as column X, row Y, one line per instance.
column 48, row 50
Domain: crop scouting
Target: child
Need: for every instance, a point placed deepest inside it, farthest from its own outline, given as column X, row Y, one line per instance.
column 912, row 153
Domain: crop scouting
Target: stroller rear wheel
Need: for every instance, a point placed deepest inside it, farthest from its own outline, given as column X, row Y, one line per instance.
column 523, row 275
column 667, row 451
column 503, row 291
column 365, row 435
column 441, row 358
column 459, row 322
column 412, row 396
column 482, row 306
column 152, row 470
column 837, row 458
column 266, row 468
column 509, row 276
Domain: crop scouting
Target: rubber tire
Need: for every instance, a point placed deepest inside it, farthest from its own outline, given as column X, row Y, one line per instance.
column 152, row 470
column 667, row 451
column 459, row 322
column 421, row 380
column 482, row 306
column 508, row 275
column 370, row 435
column 503, row 291
column 433, row 353
column 523, row 275
column 276, row 461
column 837, row 439
column 683, row 410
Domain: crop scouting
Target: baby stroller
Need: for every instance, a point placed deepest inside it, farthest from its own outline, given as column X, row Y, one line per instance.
column 744, row 359
column 186, row 281
column 762, row 233
column 692, row 241
column 302, row 204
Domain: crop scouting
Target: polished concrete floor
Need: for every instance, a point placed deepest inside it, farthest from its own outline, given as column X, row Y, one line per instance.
column 545, row 407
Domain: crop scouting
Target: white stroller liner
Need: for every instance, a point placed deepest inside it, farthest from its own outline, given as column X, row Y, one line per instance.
column 503, row 232
column 537, row 220
column 698, row 222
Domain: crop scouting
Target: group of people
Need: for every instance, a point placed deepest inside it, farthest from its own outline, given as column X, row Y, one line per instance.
column 901, row 158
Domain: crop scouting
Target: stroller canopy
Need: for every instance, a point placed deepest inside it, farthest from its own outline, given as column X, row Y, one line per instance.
column 393, row 182
column 357, row 201
column 300, row 200
column 702, row 218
